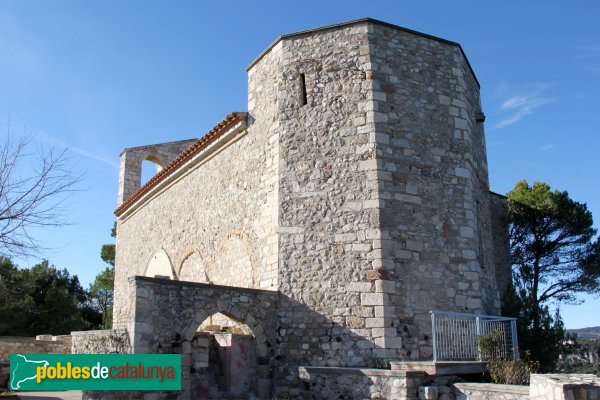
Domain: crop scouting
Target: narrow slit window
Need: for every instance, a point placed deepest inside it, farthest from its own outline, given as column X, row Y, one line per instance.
column 303, row 99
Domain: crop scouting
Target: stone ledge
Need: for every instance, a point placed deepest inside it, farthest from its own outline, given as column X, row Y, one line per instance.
column 440, row 367
column 94, row 332
column 356, row 371
column 492, row 388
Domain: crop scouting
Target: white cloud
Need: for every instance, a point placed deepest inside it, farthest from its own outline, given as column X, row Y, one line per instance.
column 517, row 106
column 44, row 137
column 91, row 155
column 547, row 147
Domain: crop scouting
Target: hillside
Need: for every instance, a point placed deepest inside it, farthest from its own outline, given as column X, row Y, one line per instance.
column 587, row 333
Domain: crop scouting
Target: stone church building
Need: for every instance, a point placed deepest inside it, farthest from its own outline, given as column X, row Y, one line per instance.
column 325, row 222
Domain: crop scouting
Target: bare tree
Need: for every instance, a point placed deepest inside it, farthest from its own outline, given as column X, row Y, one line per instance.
column 33, row 190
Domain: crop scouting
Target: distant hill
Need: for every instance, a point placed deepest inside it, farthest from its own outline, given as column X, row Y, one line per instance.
column 587, row 333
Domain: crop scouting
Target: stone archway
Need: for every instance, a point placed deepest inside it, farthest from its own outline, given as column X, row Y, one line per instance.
column 230, row 310
column 167, row 314
column 223, row 357
column 155, row 159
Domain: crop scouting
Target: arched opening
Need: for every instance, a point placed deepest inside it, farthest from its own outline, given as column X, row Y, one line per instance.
column 219, row 322
column 159, row 265
column 151, row 165
column 223, row 359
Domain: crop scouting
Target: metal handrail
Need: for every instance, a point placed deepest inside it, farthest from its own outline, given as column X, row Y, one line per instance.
column 455, row 335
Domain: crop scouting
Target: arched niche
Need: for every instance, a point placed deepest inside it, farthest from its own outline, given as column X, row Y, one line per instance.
column 159, row 265
column 193, row 269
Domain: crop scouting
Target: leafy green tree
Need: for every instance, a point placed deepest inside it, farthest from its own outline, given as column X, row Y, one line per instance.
column 555, row 257
column 101, row 295
column 554, row 254
column 40, row 300
column 541, row 341
column 101, row 291
column 107, row 253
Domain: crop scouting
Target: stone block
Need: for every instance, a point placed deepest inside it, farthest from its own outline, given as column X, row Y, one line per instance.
column 355, row 322
column 378, row 273
column 378, row 322
column 345, row 237
column 415, row 245
column 462, row 172
column 359, row 287
column 373, row 299
column 362, row 247
column 384, row 311
column 409, row 198
column 385, row 286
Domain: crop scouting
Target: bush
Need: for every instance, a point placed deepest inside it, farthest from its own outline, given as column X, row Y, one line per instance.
column 510, row 372
column 500, row 367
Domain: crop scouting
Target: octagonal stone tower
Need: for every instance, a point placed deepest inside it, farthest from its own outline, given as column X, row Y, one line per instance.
column 384, row 202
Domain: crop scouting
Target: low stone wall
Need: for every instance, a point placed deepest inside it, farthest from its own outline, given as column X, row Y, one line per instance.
column 27, row 345
column 110, row 341
column 565, row 386
column 484, row 391
column 352, row 383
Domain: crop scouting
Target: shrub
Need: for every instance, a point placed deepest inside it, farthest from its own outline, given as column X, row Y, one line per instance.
column 500, row 367
column 510, row 372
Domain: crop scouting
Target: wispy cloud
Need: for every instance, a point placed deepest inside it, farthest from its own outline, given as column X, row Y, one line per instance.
column 547, row 147
column 52, row 141
column 91, row 155
column 516, row 106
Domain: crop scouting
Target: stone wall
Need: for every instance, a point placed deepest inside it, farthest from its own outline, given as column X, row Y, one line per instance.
column 485, row 391
column 564, row 387
column 100, row 342
column 433, row 184
column 352, row 383
column 328, row 200
column 166, row 316
column 26, row 345
column 215, row 224
column 41, row 344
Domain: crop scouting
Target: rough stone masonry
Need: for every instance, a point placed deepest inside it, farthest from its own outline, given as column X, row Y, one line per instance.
column 355, row 188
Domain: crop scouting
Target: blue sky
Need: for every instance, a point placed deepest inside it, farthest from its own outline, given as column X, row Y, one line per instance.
column 97, row 77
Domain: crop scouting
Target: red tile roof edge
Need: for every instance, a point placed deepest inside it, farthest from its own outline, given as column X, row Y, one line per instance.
column 196, row 147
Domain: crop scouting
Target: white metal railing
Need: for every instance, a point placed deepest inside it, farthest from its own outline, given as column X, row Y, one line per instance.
column 455, row 336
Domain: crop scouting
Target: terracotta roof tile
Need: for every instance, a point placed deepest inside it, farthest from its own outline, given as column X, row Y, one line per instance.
column 185, row 156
